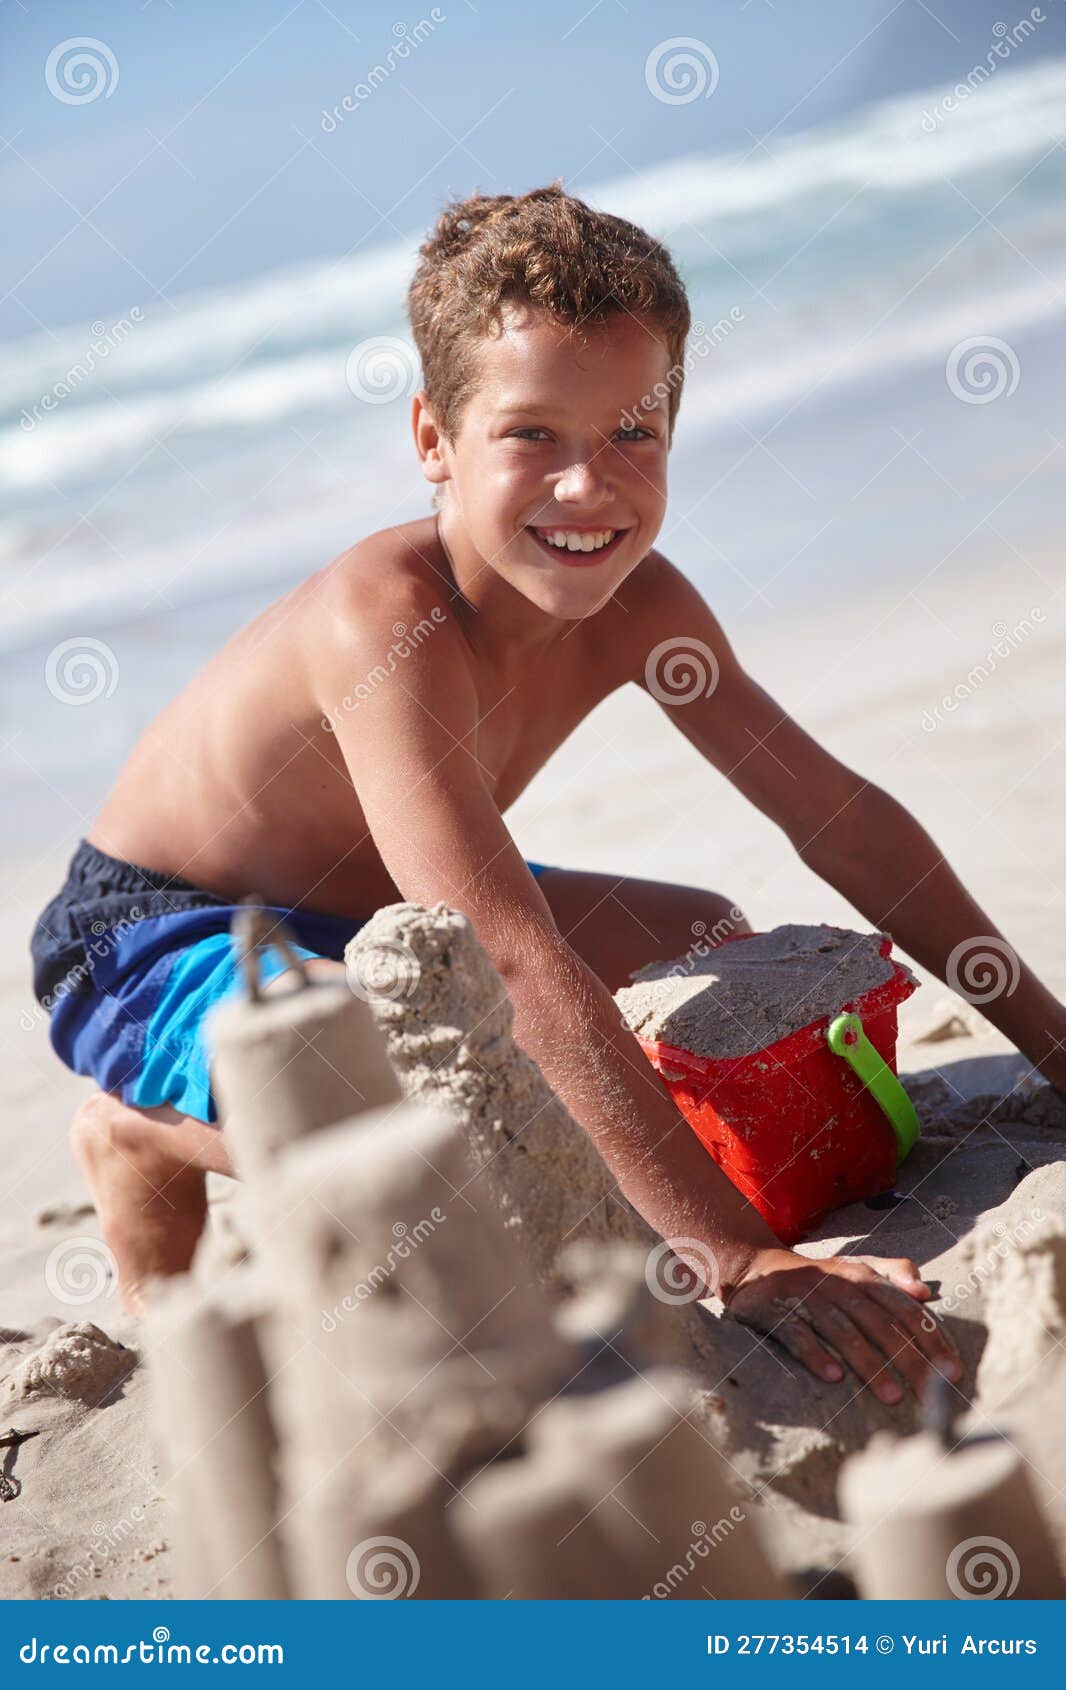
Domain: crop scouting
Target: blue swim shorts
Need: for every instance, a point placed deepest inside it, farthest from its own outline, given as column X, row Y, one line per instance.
column 130, row 963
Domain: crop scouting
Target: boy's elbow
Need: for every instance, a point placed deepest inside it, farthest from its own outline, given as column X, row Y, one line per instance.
column 516, row 938
column 855, row 830
column 534, row 957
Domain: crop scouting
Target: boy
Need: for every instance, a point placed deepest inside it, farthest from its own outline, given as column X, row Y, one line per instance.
column 533, row 592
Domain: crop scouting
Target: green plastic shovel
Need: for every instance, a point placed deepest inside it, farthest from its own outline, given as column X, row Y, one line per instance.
column 847, row 1038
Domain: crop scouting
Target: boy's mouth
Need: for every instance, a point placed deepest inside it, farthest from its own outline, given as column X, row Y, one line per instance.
column 578, row 545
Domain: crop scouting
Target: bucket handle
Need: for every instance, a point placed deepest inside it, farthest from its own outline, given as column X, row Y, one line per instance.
column 847, row 1038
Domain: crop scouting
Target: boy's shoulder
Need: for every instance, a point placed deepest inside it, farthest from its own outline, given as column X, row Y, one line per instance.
column 656, row 585
column 375, row 605
column 393, row 567
column 657, row 603
column 393, row 585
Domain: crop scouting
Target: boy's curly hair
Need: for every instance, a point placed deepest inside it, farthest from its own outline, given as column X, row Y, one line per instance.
column 545, row 248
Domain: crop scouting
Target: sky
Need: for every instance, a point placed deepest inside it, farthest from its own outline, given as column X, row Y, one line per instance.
column 207, row 159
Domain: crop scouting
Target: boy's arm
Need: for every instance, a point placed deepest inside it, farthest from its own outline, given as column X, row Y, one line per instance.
column 411, row 749
column 856, row 837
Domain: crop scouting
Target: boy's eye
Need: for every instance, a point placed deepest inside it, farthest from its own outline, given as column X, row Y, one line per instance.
column 635, row 433
column 524, row 433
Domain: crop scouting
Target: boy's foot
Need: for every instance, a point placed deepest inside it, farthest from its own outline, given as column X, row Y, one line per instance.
column 147, row 1171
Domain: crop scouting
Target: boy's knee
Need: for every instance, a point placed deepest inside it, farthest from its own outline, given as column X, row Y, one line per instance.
column 101, row 1126
column 717, row 919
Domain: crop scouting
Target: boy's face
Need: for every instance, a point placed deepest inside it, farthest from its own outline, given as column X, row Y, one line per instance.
column 551, row 487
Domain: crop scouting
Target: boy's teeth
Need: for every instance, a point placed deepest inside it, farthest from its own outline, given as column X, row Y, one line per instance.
column 571, row 542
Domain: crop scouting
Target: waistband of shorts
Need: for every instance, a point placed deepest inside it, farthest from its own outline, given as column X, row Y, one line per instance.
column 101, row 892
column 103, row 874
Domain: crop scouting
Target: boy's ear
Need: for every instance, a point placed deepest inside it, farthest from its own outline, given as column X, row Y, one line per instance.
column 429, row 442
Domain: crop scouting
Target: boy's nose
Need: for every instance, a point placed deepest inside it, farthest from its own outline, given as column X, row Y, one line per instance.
column 580, row 484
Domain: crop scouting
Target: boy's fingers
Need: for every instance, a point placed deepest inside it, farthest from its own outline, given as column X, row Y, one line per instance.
column 899, row 1271
column 879, row 1320
column 778, row 1318
column 800, row 1340
column 922, row 1327
column 833, row 1321
column 922, row 1338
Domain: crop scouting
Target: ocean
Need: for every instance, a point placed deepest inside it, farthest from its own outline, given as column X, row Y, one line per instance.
column 874, row 391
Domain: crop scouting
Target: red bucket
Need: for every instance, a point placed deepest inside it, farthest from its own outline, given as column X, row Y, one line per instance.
column 793, row 1127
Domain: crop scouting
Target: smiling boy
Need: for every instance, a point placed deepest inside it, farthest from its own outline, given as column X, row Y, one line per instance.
column 542, row 325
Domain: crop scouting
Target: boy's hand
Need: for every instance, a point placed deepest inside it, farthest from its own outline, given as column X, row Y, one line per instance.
column 865, row 1308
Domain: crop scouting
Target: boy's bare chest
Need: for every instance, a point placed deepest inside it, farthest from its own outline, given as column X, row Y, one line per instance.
column 520, row 726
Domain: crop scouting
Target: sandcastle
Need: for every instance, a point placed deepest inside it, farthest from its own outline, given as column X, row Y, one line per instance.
column 434, row 1367
column 421, row 1381
column 447, row 1019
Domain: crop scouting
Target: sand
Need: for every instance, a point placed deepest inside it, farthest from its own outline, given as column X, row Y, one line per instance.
column 628, row 795
column 734, row 999
column 89, row 1519
column 77, row 1362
